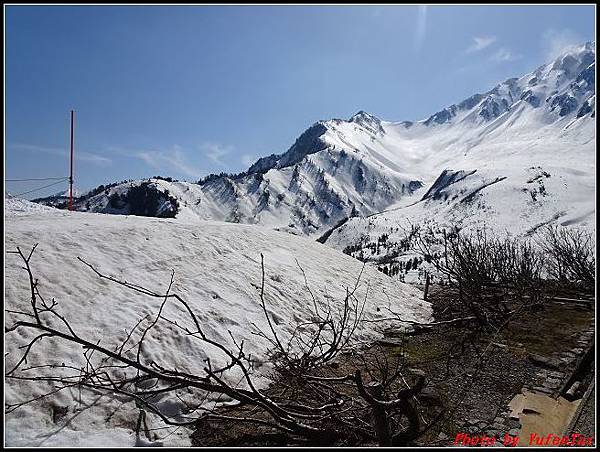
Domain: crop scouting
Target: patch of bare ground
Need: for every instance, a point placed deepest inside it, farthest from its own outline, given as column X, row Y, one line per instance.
column 472, row 378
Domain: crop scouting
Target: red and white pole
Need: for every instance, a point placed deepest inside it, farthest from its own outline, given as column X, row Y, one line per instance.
column 71, row 175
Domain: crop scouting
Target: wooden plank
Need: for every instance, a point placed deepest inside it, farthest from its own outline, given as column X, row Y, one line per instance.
column 582, row 364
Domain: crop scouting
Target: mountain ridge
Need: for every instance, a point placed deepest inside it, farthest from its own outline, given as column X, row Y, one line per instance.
column 364, row 165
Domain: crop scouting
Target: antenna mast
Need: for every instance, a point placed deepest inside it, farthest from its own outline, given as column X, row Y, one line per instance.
column 71, row 174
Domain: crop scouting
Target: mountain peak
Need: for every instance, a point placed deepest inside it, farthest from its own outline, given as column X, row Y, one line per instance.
column 362, row 116
column 559, row 82
column 368, row 121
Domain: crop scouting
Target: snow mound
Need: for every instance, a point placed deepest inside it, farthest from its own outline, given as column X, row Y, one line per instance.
column 217, row 270
column 17, row 206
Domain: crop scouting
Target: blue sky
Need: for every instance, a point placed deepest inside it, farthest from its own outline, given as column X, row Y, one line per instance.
column 189, row 90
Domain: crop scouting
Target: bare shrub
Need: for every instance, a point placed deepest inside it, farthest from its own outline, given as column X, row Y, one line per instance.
column 570, row 255
column 485, row 271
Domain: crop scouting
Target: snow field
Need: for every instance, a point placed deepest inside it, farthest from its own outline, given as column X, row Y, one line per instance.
column 217, row 270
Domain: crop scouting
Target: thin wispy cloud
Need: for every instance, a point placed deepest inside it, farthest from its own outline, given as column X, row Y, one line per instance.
column 173, row 158
column 82, row 156
column 503, row 55
column 480, row 43
column 421, row 27
column 556, row 42
column 215, row 152
column 248, row 160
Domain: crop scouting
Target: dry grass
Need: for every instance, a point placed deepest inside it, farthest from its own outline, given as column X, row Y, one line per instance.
column 554, row 329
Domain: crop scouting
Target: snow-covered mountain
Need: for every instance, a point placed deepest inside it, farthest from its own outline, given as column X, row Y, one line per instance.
column 512, row 160
column 320, row 180
column 518, row 155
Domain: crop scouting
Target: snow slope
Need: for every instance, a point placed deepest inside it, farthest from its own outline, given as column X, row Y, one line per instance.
column 217, row 269
column 514, row 159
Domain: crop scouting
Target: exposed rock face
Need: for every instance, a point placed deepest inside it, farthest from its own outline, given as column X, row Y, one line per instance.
column 447, row 178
